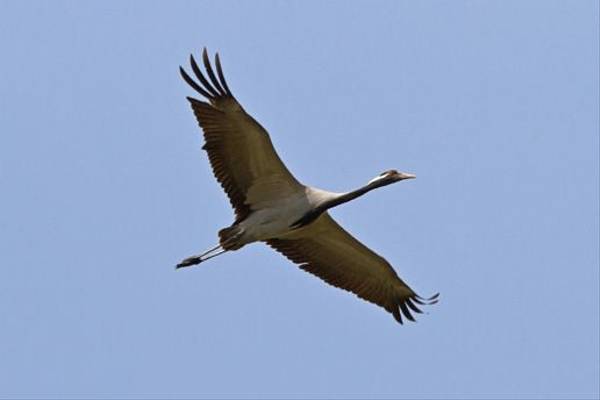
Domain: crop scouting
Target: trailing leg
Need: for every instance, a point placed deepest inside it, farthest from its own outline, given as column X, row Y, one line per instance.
column 228, row 240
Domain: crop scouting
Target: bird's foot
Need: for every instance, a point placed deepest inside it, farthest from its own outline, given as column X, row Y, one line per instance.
column 188, row 262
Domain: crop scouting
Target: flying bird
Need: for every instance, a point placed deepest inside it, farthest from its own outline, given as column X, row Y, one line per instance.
column 272, row 206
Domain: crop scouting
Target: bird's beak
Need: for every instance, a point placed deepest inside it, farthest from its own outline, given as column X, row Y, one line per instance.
column 406, row 175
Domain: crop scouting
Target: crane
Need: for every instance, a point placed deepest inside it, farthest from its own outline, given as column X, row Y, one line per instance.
column 273, row 207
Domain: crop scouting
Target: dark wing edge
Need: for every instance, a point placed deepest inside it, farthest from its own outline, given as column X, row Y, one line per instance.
column 239, row 148
column 298, row 251
column 214, row 123
column 216, row 89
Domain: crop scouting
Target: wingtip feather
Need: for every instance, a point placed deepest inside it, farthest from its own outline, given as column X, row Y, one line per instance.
column 406, row 312
column 200, row 76
column 211, row 74
column 413, row 307
column 221, row 75
column 397, row 316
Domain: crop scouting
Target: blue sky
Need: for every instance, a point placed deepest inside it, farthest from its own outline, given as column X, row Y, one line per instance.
column 492, row 104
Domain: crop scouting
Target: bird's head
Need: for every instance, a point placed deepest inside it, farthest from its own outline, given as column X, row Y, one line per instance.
column 389, row 177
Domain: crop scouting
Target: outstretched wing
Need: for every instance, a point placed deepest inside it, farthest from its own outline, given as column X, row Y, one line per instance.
column 326, row 250
column 239, row 148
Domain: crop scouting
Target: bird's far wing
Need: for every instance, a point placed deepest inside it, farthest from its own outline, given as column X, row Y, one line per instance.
column 239, row 148
column 326, row 250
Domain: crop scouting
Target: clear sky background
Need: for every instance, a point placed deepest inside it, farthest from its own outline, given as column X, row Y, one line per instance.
column 104, row 188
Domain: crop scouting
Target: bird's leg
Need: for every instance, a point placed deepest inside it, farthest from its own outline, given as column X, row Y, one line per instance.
column 193, row 260
column 212, row 255
column 222, row 247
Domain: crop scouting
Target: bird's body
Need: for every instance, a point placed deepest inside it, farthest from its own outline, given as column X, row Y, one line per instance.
column 276, row 218
column 272, row 206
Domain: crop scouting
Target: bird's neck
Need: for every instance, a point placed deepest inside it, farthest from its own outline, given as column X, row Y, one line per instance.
column 332, row 200
column 346, row 197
